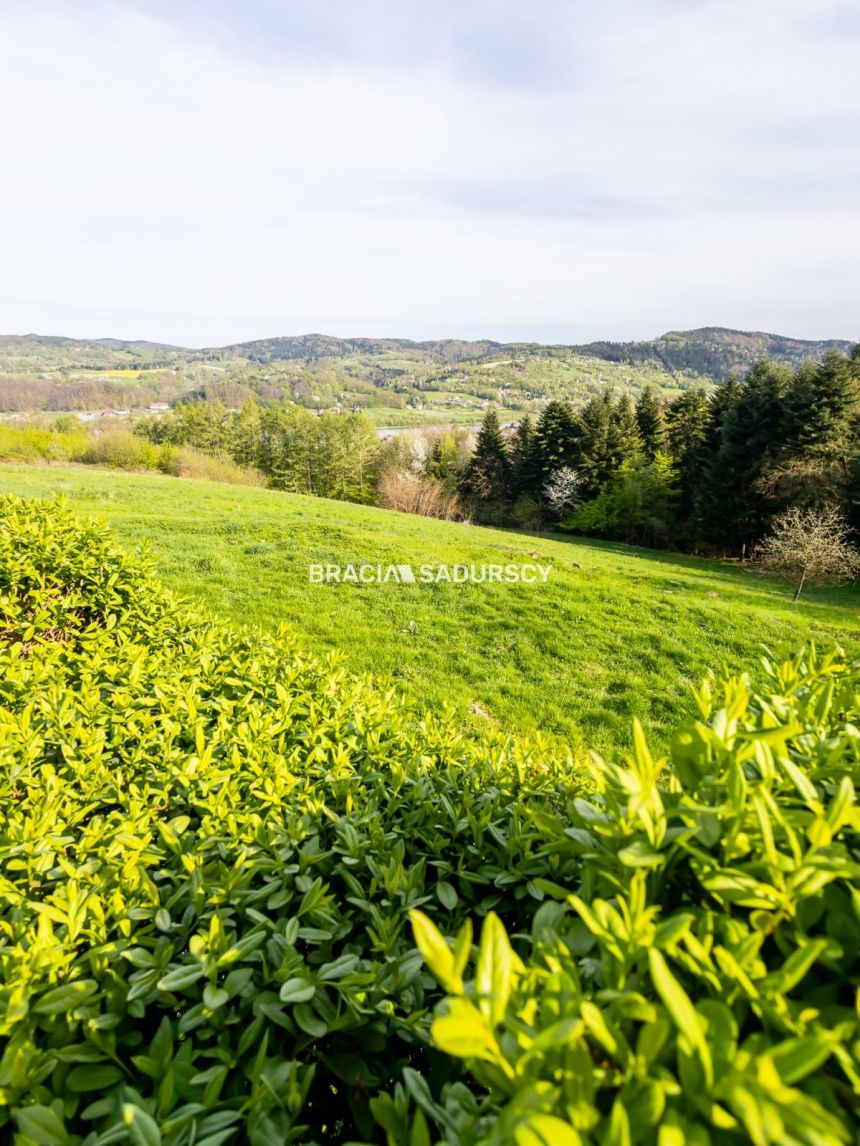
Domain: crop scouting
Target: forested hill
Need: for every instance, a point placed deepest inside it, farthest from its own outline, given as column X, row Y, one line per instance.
column 711, row 351
column 715, row 351
column 396, row 382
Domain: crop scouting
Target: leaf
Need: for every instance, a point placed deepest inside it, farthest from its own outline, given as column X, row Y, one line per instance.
column 214, row 997
column 309, row 1021
column 420, row 1134
column 180, row 978
column 447, row 895
column 60, row 1000
column 545, row 1130
column 142, row 1128
column 297, row 991
column 640, row 854
column 83, row 1079
column 41, row 1124
column 464, row 1033
column 681, row 1009
column 437, row 954
column 496, row 969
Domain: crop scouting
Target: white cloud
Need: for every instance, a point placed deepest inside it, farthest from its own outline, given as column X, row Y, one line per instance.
column 631, row 168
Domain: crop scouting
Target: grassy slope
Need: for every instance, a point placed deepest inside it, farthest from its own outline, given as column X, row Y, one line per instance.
column 615, row 632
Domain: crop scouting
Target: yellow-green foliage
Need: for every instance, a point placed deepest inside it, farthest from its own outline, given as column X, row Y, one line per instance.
column 120, row 449
column 697, row 980
column 186, row 462
column 28, row 444
column 209, row 844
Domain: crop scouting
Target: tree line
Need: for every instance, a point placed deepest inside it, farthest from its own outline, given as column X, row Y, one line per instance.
column 707, row 471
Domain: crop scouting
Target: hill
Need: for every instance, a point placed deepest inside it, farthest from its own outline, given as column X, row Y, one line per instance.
column 397, row 382
column 716, row 351
column 615, row 632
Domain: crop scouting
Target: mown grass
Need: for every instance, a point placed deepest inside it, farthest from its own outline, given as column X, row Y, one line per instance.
column 616, row 632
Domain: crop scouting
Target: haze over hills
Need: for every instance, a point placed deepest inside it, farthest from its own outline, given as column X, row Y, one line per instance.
column 396, row 381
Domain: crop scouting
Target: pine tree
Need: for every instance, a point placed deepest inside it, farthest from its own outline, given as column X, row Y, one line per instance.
column 651, row 422
column 488, row 474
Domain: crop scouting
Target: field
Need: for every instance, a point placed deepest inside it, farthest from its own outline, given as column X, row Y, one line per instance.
column 615, row 632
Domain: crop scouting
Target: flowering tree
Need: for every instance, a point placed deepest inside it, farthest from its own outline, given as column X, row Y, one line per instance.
column 561, row 491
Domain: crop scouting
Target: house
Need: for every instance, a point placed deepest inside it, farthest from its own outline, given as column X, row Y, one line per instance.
column 159, row 407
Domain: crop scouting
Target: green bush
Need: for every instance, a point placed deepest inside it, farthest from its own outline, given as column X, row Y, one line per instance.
column 120, row 449
column 697, row 982
column 209, row 846
column 187, row 462
column 34, row 444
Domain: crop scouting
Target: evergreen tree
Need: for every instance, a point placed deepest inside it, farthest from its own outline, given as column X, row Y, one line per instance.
column 752, row 434
column 488, row 474
column 597, row 445
column 822, row 408
column 687, row 427
column 625, row 440
column 555, row 442
column 526, row 461
column 651, row 423
column 707, row 510
column 852, row 495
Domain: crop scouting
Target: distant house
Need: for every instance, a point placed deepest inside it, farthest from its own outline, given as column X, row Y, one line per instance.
column 159, row 407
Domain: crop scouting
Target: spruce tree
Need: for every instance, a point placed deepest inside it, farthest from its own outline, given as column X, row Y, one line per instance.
column 526, row 463
column 625, row 440
column 555, row 441
column 687, row 427
column 651, row 422
column 596, row 458
column 752, row 435
column 488, row 474
column 822, row 409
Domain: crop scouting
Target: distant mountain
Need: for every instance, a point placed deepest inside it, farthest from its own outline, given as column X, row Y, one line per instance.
column 715, row 350
column 315, row 346
column 709, row 353
column 712, row 351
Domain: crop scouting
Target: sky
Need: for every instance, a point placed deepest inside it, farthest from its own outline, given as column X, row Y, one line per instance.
column 203, row 172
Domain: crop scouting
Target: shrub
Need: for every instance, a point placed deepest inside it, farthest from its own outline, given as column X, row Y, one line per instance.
column 120, row 449
column 33, row 444
column 209, row 845
column 187, row 462
column 409, row 493
column 698, row 980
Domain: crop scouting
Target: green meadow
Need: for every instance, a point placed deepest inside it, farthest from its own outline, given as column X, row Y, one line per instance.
column 615, row 632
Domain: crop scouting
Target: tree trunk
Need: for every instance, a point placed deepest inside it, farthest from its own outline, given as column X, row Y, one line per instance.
column 799, row 585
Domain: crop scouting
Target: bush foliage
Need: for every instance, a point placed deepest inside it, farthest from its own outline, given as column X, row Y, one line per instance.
column 211, row 846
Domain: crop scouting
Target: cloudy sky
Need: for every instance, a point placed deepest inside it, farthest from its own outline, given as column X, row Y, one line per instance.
column 204, row 171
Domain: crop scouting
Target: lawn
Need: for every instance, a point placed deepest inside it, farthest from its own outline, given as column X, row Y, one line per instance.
column 615, row 632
